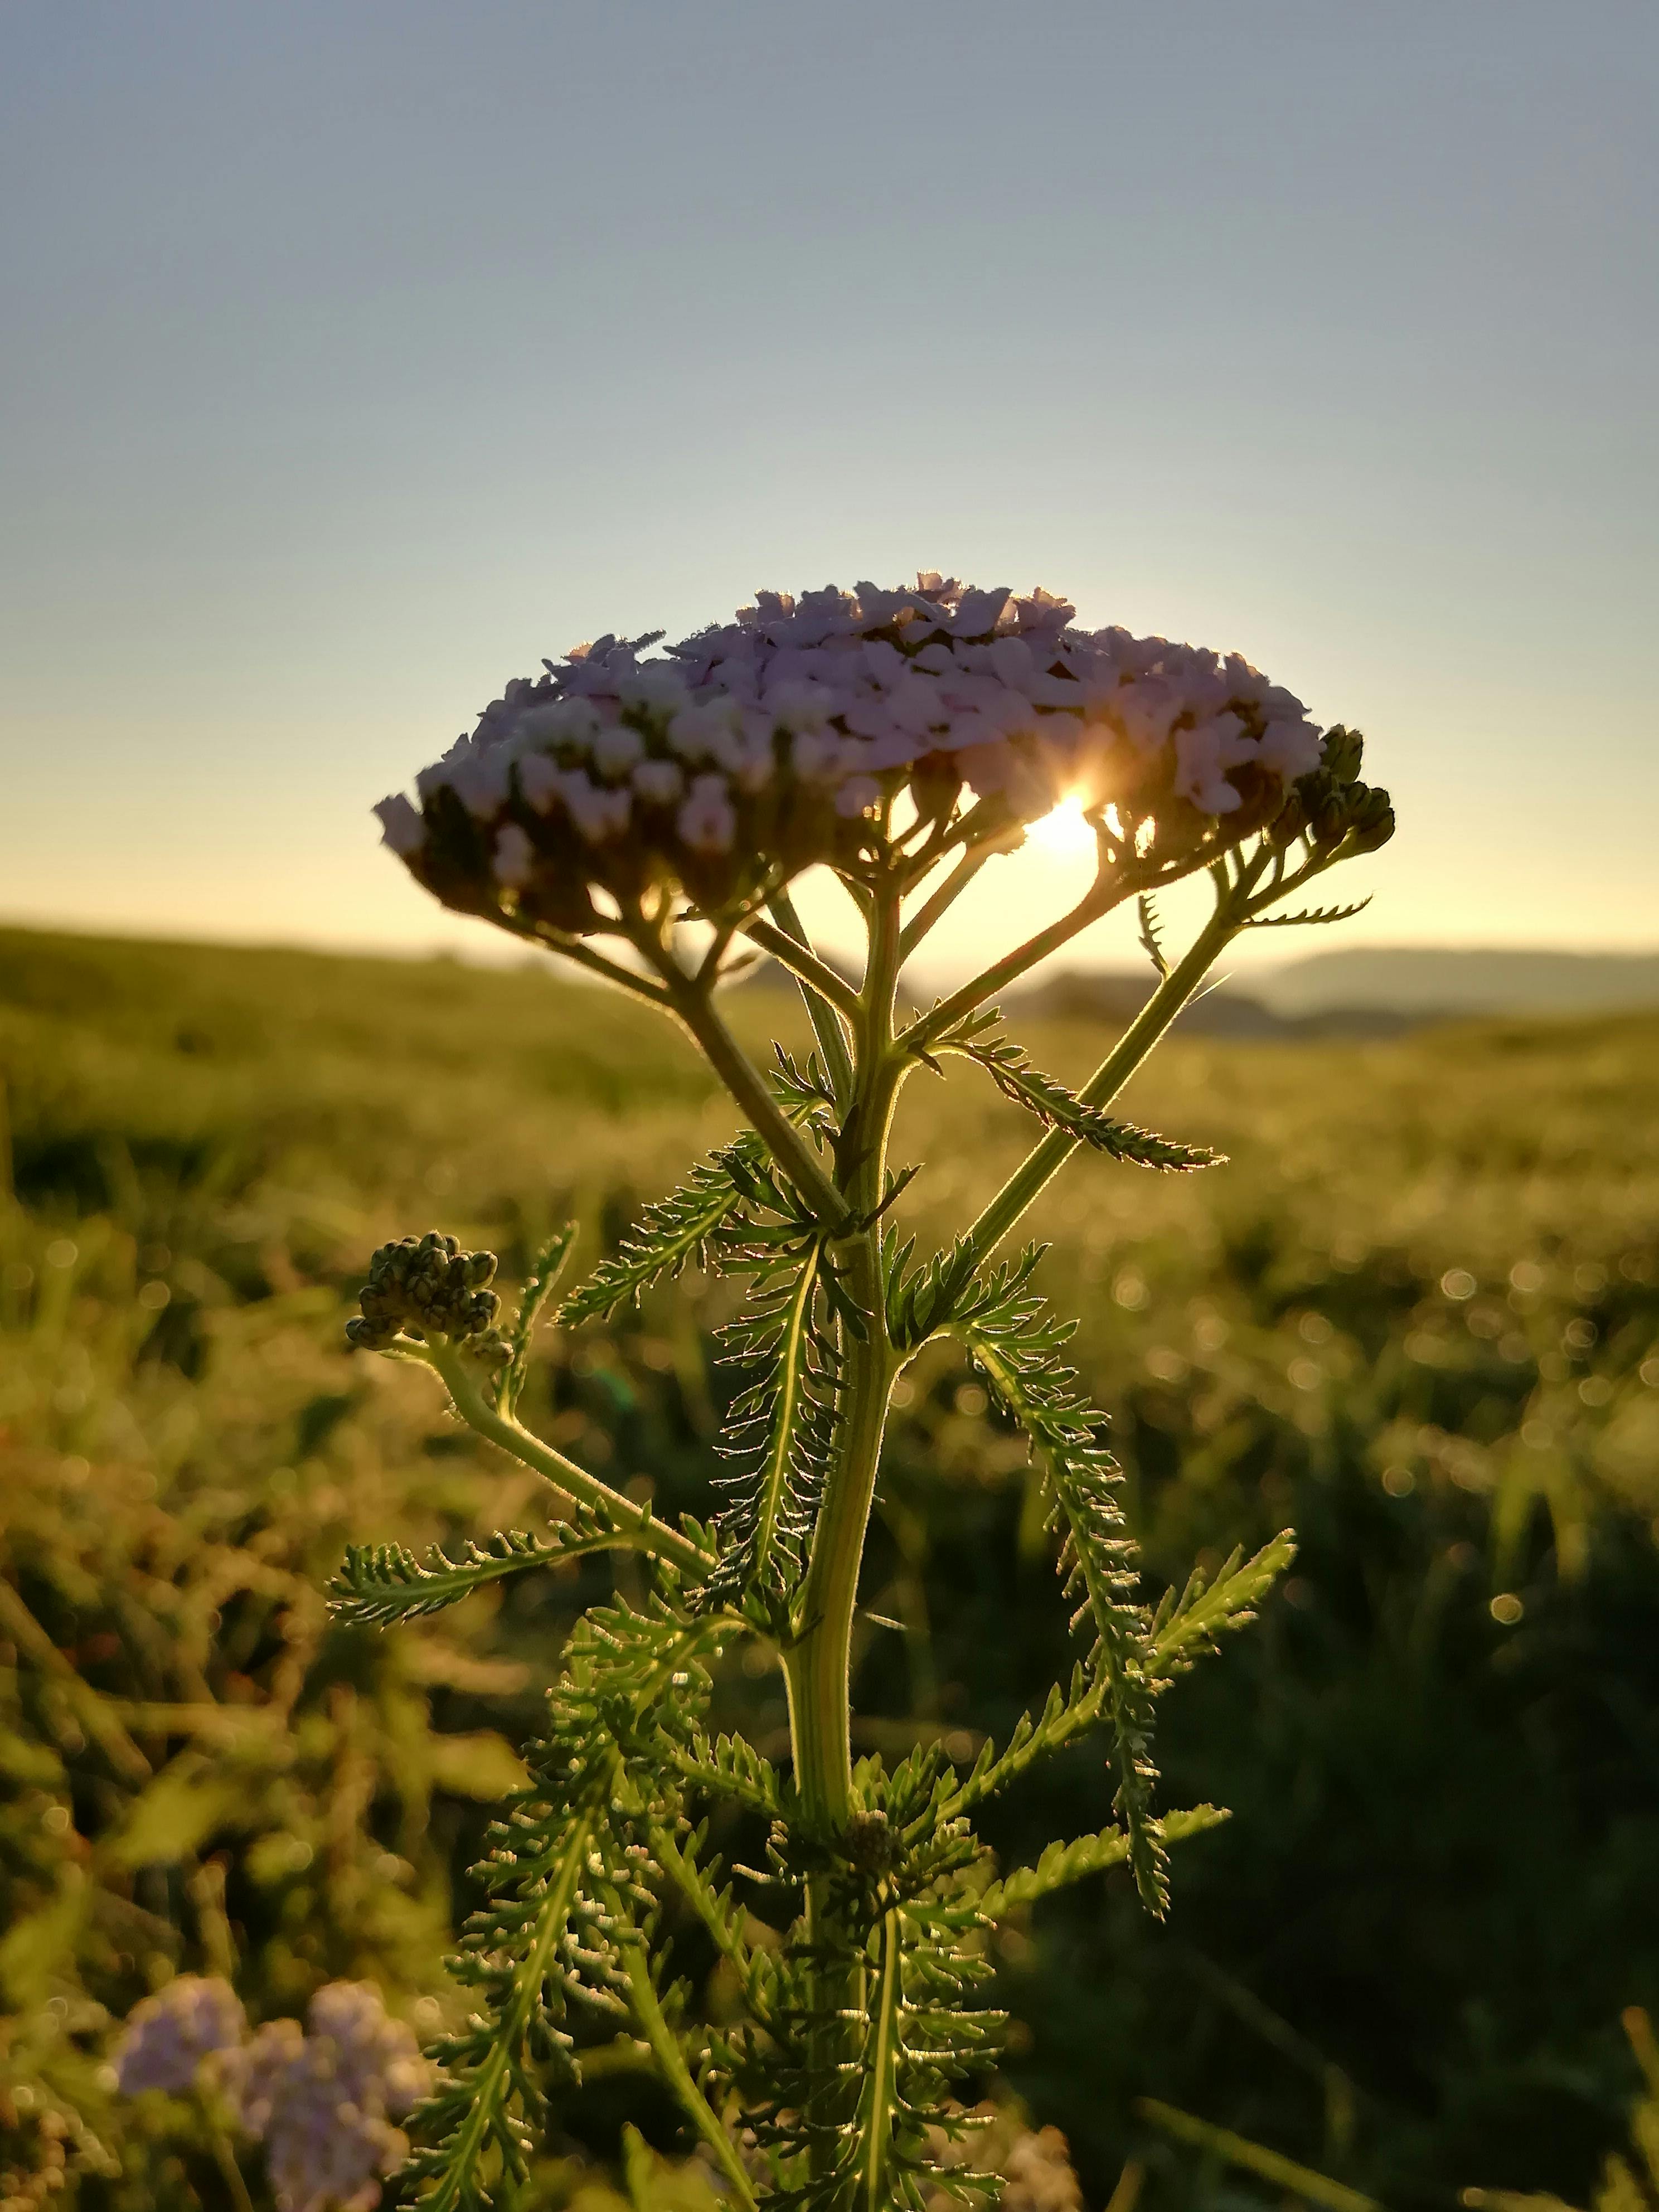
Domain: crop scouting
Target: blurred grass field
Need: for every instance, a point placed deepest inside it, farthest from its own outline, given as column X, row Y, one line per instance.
column 1416, row 1317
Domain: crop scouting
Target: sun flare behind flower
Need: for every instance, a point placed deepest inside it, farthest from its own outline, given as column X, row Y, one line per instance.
column 1064, row 831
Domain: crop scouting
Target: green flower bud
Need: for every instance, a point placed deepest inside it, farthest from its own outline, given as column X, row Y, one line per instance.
column 1342, row 753
column 1372, row 822
column 1289, row 823
column 1330, row 819
column 430, row 1287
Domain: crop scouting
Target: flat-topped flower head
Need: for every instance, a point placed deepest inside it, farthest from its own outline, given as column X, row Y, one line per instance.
column 847, row 728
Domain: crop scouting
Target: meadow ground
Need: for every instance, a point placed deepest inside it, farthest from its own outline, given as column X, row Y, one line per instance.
column 1416, row 1317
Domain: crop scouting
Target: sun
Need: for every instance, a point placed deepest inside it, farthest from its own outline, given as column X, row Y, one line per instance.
column 1065, row 831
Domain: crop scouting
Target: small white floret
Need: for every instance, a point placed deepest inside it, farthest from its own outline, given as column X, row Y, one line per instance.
column 616, row 750
column 401, row 826
column 659, row 782
column 707, row 821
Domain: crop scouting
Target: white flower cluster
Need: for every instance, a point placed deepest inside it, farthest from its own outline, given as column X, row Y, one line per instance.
column 323, row 2101
column 168, row 2035
column 732, row 760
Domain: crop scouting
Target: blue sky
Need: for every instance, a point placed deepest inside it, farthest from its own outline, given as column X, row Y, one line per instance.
column 358, row 354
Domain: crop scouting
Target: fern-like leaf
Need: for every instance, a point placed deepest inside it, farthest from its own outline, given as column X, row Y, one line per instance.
column 379, row 1583
column 729, row 1769
column 1016, row 1344
column 1186, row 1628
column 480, row 2107
column 548, row 1266
column 806, row 1092
column 672, row 1235
column 1150, row 936
column 1068, row 1713
column 920, row 1301
column 779, row 1430
column 1057, row 1108
column 1061, row 1863
column 1311, row 916
column 564, row 1887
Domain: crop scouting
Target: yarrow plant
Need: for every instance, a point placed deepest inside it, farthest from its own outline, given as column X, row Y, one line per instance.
column 645, row 813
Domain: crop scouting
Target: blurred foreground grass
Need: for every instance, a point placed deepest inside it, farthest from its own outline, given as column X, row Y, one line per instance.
column 1417, row 1317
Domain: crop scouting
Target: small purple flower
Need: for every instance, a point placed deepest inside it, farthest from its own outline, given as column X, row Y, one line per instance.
column 169, row 2035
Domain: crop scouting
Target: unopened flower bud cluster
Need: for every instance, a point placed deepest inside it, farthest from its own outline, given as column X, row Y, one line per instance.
column 728, row 763
column 427, row 1286
column 322, row 2099
column 1332, row 808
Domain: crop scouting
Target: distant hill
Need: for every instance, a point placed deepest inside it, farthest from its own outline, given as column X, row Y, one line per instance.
column 1423, row 981
column 1116, row 995
column 1370, row 991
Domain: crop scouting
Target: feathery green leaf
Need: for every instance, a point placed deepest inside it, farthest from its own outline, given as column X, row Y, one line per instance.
column 548, row 1266
column 1186, row 1628
column 1311, row 914
column 778, row 1431
column 383, row 1583
column 1066, row 1863
column 1016, row 1344
column 669, row 1236
column 1010, row 1068
column 1150, row 936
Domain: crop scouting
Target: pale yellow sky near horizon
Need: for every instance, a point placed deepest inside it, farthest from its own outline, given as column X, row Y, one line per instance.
column 348, row 375
column 1017, row 894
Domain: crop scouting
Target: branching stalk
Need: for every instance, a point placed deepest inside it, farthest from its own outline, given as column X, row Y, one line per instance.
column 636, row 1524
column 787, row 943
column 827, row 1015
column 1098, row 901
column 1047, row 1158
column 664, row 2047
column 938, row 902
column 816, row 1667
column 743, row 1080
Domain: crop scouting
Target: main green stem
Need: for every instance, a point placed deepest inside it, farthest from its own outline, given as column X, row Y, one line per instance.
column 816, row 1666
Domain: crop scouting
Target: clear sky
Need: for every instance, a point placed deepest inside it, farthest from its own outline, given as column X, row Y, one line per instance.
column 360, row 352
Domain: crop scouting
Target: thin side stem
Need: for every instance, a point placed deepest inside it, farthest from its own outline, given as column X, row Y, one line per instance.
column 791, row 950
column 1046, row 1158
column 666, row 2051
column 636, row 1525
column 939, row 901
column 827, row 1023
column 744, row 1081
column 1099, row 900
column 574, row 948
